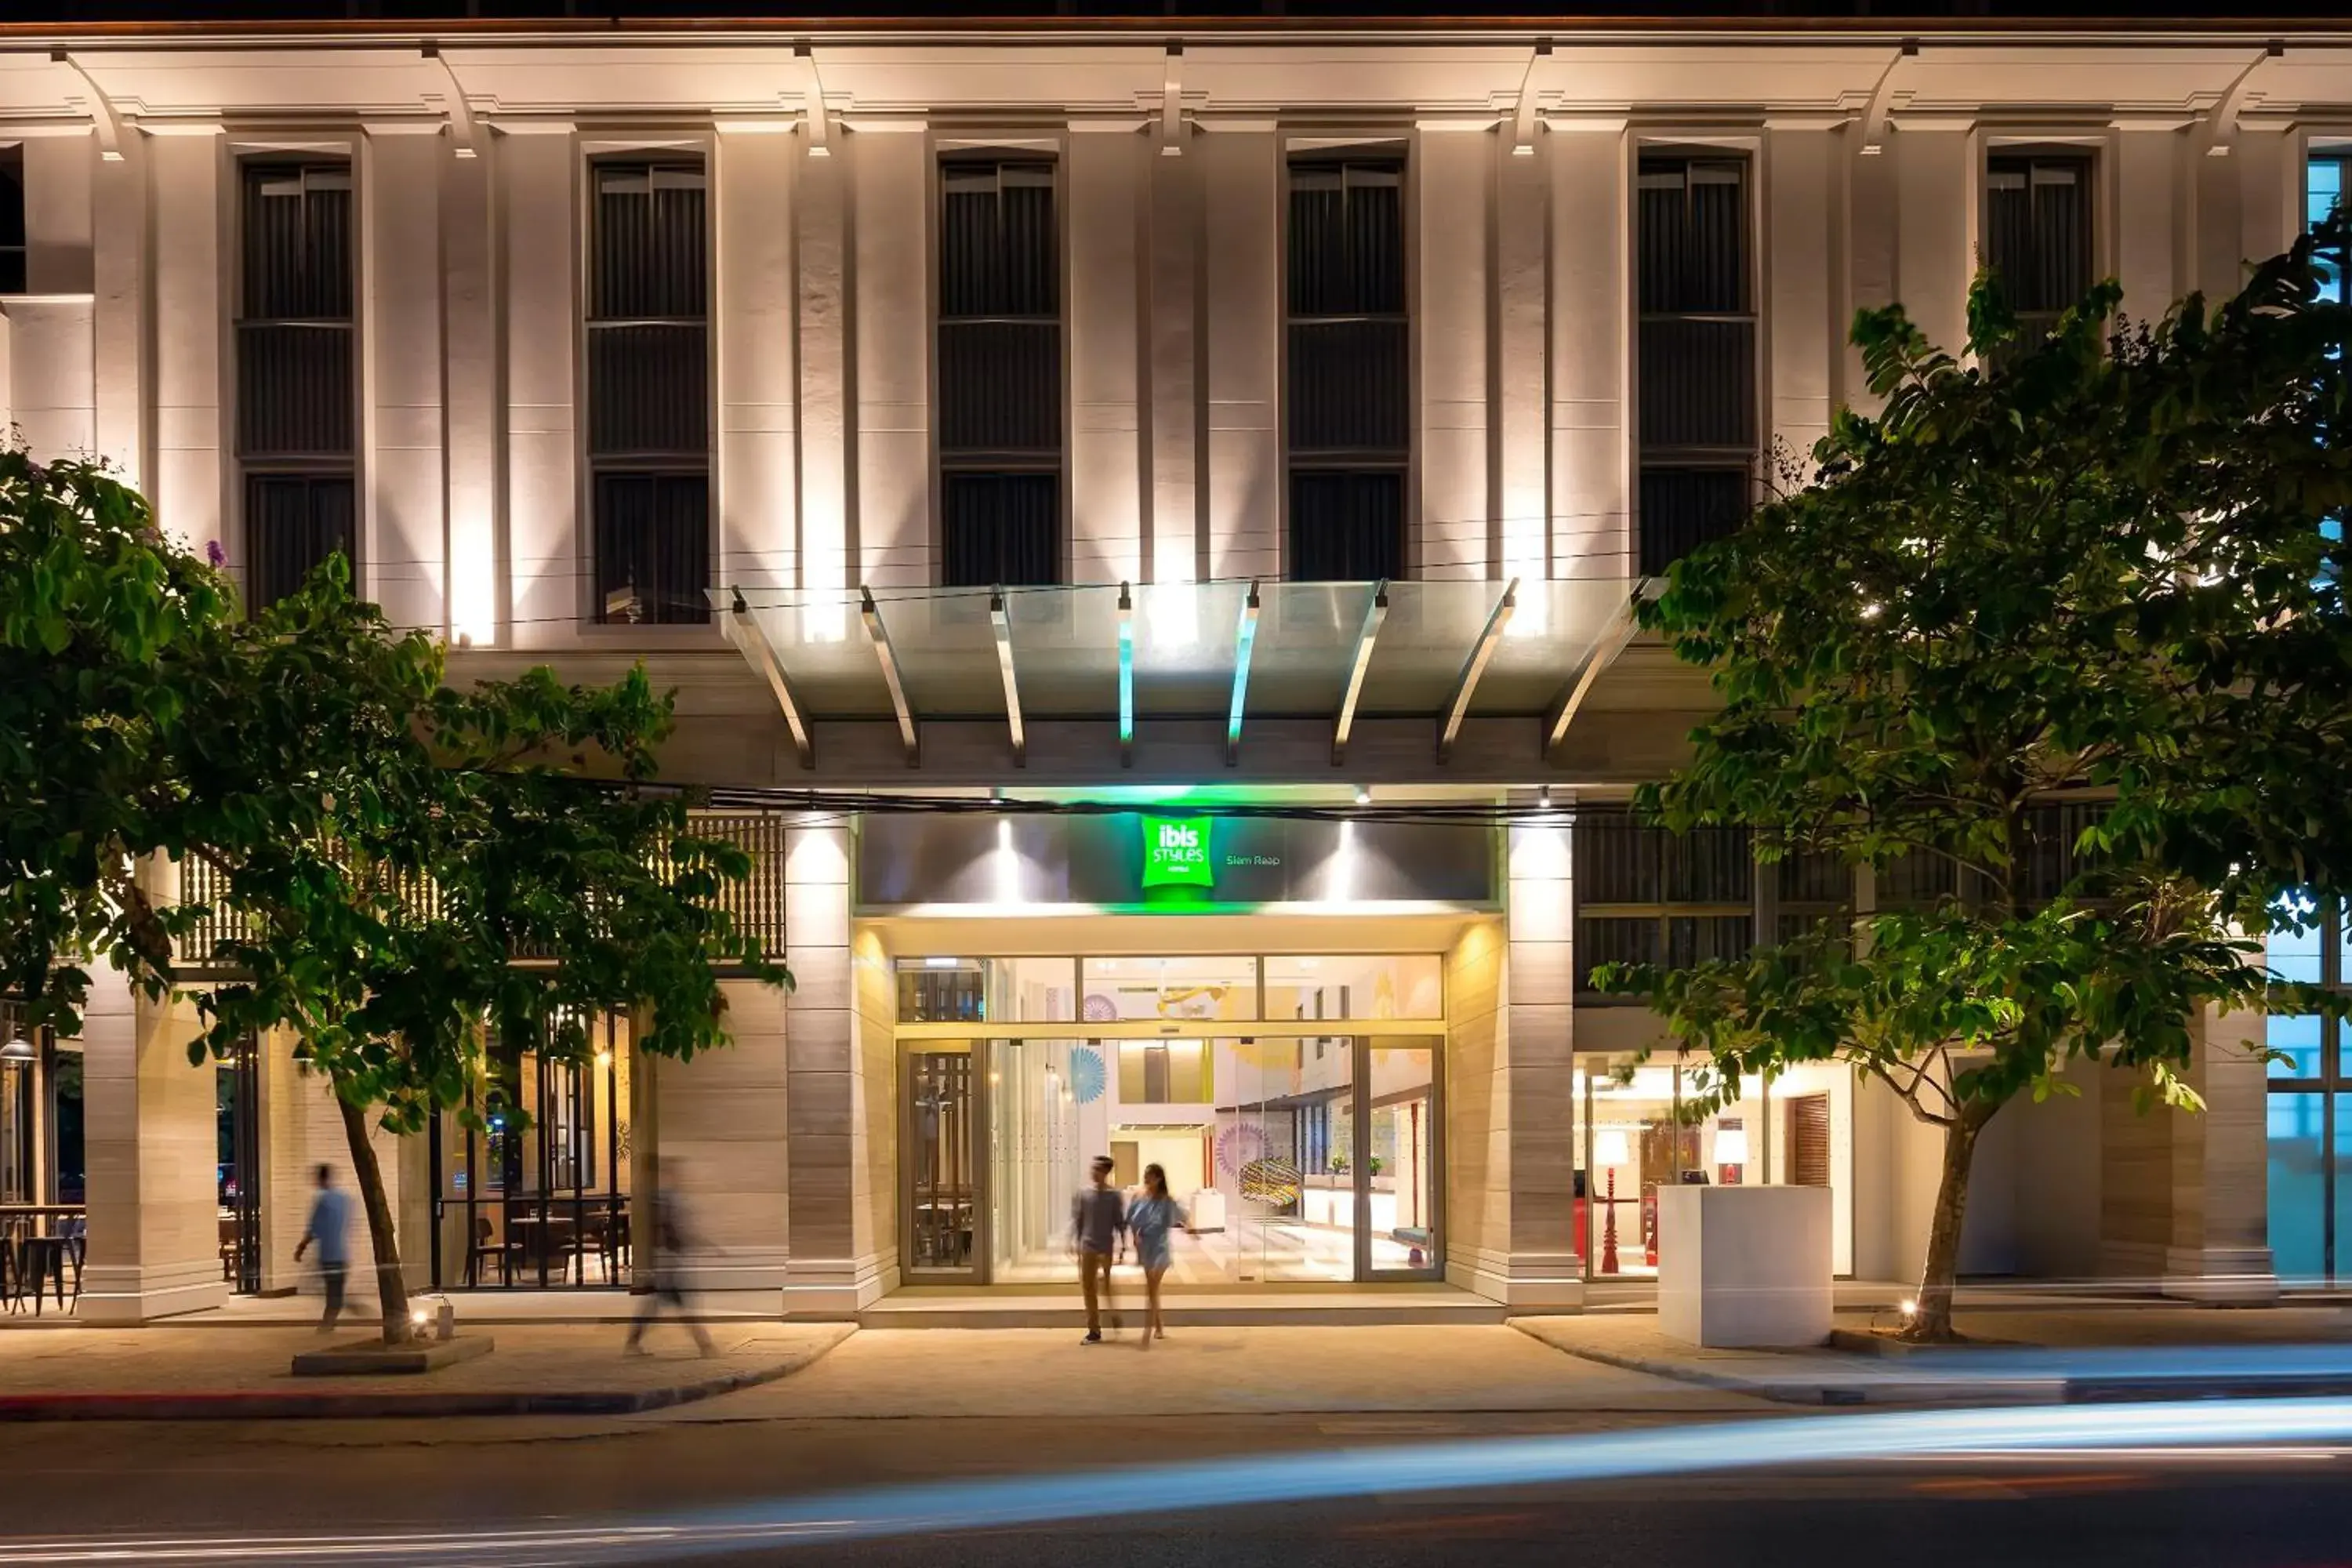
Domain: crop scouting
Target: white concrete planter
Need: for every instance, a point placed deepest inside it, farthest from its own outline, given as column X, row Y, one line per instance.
column 1744, row 1265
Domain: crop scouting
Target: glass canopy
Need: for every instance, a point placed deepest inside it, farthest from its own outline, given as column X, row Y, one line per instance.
column 1231, row 650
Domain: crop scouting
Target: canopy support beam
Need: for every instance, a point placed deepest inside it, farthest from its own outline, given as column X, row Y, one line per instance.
column 1244, row 642
column 878, row 635
column 1001, row 623
column 1374, row 614
column 744, row 632
column 1465, row 685
column 1605, row 649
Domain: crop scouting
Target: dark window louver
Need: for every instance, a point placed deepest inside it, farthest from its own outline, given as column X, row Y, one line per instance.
column 292, row 523
column 1696, row 407
column 1647, row 896
column 296, row 375
column 2038, row 234
column 1347, row 527
column 1347, row 372
column 11, row 220
column 998, row 372
column 649, row 345
column 999, row 529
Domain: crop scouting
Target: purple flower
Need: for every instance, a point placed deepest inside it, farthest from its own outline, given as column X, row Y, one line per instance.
column 214, row 553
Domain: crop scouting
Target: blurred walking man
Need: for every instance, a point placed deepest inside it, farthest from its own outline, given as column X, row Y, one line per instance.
column 331, row 1229
column 673, row 1242
column 1098, row 1221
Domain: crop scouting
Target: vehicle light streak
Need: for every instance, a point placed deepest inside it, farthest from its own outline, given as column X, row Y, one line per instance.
column 2198, row 1427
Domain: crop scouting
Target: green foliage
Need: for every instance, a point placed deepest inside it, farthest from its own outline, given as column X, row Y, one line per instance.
column 2095, row 566
column 98, row 619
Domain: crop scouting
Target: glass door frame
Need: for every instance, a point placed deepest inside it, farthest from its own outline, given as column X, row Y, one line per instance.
column 977, row 1046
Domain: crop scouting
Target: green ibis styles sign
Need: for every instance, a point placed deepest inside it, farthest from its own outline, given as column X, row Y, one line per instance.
column 1176, row 852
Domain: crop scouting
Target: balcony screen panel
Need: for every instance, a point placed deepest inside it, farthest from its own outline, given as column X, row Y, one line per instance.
column 2038, row 231
column 297, row 243
column 293, row 522
column 1000, row 386
column 1691, row 236
column 1350, row 386
column 295, row 389
column 648, row 388
column 651, row 257
column 1682, row 508
column 1001, row 528
column 653, row 547
column 1698, row 383
column 1347, row 527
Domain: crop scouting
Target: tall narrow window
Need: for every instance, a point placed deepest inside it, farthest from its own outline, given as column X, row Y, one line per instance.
column 1696, row 353
column 11, row 220
column 2038, row 233
column 649, row 392
column 1348, row 392
column 297, row 387
column 1000, row 374
column 2323, row 190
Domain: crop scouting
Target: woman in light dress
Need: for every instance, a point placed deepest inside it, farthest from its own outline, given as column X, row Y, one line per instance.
column 1151, row 1219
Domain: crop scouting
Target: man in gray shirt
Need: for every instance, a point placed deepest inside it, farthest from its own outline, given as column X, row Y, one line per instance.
column 330, row 1231
column 1097, row 1220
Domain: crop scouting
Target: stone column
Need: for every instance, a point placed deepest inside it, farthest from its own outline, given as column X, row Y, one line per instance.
column 122, row 310
column 1105, row 181
column 821, row 219
column 1522, row 360
column 724, row 1147
column 471, row 417
column 1591, row 436
column 151, row 1142
column 758, row 356
column 2145, row 213
column 403, row 533
column 539, row 247
column 1544, row 1270
column 191, row 473
column 893, row 202
column 834, row 1269
column 1173, row 307
column 1937, row 224
column 1802, row 332
column 59, row 166
column 1453, row 185
column 1238, row 209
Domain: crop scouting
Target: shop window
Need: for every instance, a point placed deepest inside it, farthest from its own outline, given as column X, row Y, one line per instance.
column 939, row 990
column 1177, row 988
column 2310, row 1121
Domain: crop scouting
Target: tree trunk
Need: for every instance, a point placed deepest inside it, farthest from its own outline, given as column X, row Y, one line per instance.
column 1932, row 1323
column 381, row 1239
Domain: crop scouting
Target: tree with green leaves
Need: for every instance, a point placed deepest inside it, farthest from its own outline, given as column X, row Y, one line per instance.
column 2091, row 568
column 405, row 869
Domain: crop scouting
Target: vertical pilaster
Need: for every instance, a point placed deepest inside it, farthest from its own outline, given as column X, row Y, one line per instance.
column 821, row 218
column 1453, row 185
column 892, row 245
column 539, row 247
column 474, row 516
column 1240, row 347
column 1936, row 226
column 1871, row 223
column 150, row 1141
column 1800, row 283
column 1172, row 306
column 59, row 171
column 121, row 356
column 401, row 531
column 1591, row 437
column 2145, row 212
column 1522, row 214
column 834, row 1270
column 1105, row 177
column 185, row 485
column 758, row 356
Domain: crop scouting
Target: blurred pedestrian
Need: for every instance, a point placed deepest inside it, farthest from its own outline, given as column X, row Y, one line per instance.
column 1151, row 1219
column 1098, row 1225
column 675, row 1242
column 329, row 1229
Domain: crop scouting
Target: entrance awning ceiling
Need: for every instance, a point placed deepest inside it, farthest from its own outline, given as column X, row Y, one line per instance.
column 1233, row 650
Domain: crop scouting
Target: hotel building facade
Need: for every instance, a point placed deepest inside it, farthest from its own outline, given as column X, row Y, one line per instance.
column 1176, row 490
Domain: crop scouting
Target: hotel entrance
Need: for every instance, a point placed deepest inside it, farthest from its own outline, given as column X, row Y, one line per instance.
column 1293, row 1103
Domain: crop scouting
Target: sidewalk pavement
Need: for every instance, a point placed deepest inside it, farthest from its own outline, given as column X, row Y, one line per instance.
column 2036, row 1355
column 174, row 1373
